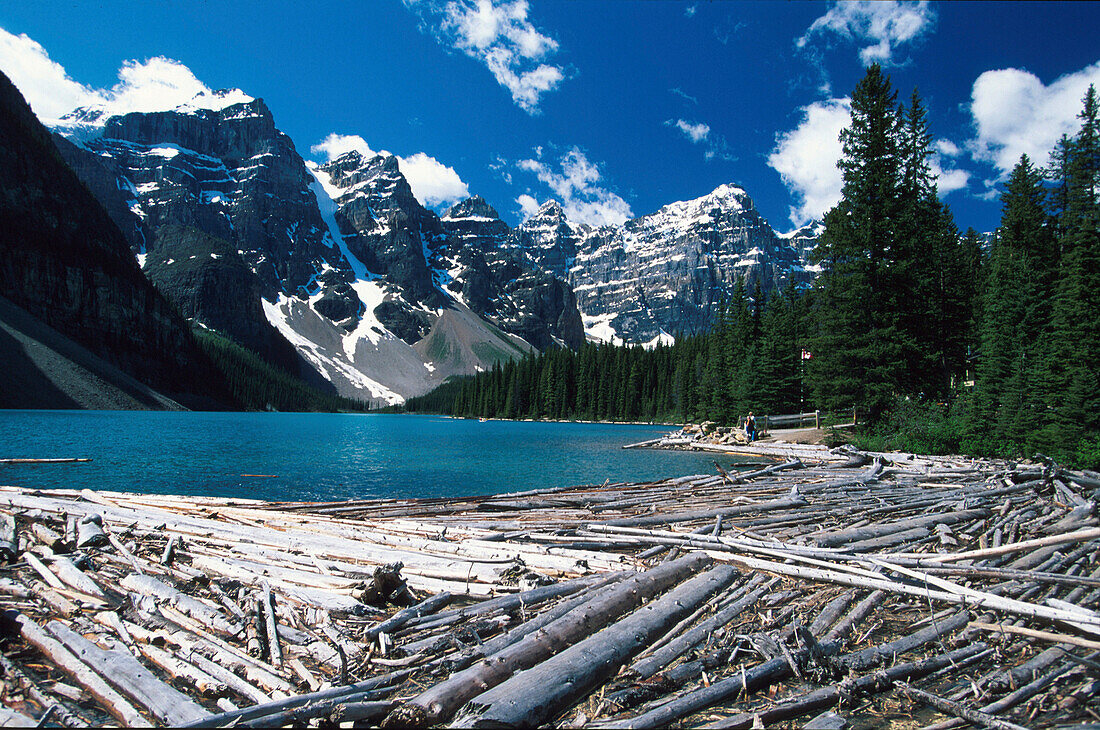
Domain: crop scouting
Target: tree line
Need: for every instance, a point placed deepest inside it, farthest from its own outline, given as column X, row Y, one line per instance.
column 984, row 346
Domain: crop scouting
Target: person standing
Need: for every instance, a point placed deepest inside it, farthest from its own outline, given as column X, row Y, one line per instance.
column 750, row 427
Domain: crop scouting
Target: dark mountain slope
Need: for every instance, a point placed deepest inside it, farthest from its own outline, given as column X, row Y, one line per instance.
column 64, row 261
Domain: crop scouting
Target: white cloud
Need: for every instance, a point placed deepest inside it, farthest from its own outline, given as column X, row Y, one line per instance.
column 948, row 180
column 432, row 182
column 528, row 206
column 500, row 36
column 44, row 83
column 946, row 147
column 806, row 156
column 695, row 132
column 886, row 23
column 1015, row 114
column 582, row 198
column 683, row 95
column 155, row 84
column 690, row 10
column 335, row 145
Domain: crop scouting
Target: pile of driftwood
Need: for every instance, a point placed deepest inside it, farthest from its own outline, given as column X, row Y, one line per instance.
column 829, row 588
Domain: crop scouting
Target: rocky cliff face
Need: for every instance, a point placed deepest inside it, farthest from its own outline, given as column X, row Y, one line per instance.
column 65, row 261
column 228, row 173
column 495, row 277
column 337, row 268
column 391, row 233
column 666, row 272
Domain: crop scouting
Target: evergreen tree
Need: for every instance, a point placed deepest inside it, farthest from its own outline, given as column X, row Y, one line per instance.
column 1016, row 310
column 1073, row 390
column 858, row 351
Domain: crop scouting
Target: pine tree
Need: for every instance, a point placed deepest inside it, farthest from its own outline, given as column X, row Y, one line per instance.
column 1016, row 311
column 1072, row 380
column 858, row 355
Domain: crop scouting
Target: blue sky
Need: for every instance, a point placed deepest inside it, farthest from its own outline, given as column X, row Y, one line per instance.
column 613, row 108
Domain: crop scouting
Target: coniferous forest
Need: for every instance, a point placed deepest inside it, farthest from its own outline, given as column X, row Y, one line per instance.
column 941, row 341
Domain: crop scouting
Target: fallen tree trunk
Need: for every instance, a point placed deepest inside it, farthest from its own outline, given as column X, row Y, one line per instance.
column 847, row 690
column 129, row 677
column 442, row 700
column 334, row 695
column 658, row 660
column 533, row 697
column 115, row 704
column 873, row 655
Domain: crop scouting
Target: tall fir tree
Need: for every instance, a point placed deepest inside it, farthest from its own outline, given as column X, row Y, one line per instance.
column 1016, row 312
column 859, row 355
column 1074, row 364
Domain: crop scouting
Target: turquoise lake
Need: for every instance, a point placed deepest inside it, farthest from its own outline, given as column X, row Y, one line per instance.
column 324, row 456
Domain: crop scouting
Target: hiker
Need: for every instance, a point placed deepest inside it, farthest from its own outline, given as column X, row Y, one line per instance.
column 750, row 427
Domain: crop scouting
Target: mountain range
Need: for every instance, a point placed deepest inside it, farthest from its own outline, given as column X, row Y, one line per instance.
column 337, row 273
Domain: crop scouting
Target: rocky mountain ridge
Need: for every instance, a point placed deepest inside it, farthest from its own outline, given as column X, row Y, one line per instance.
column 336, row 271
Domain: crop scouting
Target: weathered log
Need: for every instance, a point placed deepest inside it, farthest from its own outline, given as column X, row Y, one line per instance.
column 504, row 603
column 39, row 567
column 424, row 608
column 169, row 550
column 254, row 630
column 854, row 534
column 207, row 685
column 532, row 697
column 60, row 713
column 274, row 651
column 848, row 689
column 48, row 537
column 147, row 585
column 655, row 662
column 9, row 537
column 334, row 694
column 747, row 680
column 831, row 613
column 111, row 701
column 954, row 708
column 1012, row 547
column 442, row 700
column 499, row 643
column 667, row 519
column 68, row 572
column 129, row 677
column 1044, row 635
column 871, row 656
column 1012, row 699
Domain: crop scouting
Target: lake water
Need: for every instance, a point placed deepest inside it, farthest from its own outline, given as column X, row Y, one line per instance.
column 325, row 456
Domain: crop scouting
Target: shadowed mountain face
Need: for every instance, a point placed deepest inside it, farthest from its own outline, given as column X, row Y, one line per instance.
column 64, row 261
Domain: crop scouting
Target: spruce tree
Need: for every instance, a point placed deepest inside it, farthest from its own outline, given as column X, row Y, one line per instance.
column 858, row 356
column 1016, row 312
column 1074, row 364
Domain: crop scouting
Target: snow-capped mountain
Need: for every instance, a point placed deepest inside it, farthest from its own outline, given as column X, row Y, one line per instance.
column 498, row 281
column 665, row 272
column 338, row 271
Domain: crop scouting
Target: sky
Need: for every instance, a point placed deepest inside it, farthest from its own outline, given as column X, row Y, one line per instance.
column 612, row 108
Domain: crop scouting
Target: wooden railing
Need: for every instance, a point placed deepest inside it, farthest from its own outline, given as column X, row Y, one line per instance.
column 790, row 420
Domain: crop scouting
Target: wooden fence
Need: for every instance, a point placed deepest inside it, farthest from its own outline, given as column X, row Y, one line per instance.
column 790, row 420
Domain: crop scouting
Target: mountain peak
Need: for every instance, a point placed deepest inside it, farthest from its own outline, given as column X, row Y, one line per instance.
column 475, row 207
